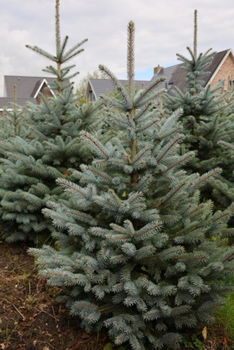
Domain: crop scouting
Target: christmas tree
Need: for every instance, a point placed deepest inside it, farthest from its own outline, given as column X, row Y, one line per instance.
column 30, row 166
column 132, row 249
column 207, row 118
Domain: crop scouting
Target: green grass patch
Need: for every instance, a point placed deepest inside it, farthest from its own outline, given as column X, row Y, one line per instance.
column 225, row 316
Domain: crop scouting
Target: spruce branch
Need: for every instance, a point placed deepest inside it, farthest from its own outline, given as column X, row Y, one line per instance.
column 169, row 147
column 226, row 144
column 147, row 90
column 114, row 197
column 148, row 230
column 113, row 161
column 99, row 173
column 182, row 160
column 148, row 126
column 110, row 101
column 150, row 98
column 206, row 59
column 95, row 144
column 169, row 133
column 70, row 186
column 142, row 111
column 207, row 176
column 60, row 55
column 229, row 256
column 229, row 232
column 118, row 85
column 171, row 194
column 50, row 69
column 42, row 52
column 72, row 55
column 83, row 217
column 226, row 213
column 72, row 75
column 142, row 153
column 106, row 308
column 68, row 68
column 74, row 48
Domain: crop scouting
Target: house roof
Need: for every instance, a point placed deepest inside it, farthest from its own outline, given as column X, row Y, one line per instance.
column 175, row 75
column 26, row 87
column 6, row 102
column 103, row 86
column 215, row 64
column 166, row 72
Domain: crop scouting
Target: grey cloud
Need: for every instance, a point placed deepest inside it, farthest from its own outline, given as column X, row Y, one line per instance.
column 163, row 29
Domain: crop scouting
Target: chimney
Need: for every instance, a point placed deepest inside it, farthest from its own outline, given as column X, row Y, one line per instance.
column 158, row 69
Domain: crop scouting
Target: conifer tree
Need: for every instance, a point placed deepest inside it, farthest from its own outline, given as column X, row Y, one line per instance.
column 207, row 118
column 132, row 254
column 13, row 121
column 30, row 166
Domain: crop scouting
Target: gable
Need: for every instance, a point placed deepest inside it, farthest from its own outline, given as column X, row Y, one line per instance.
column 217, row 61
column 25, row 86
column 42, row 87
column 224, row 72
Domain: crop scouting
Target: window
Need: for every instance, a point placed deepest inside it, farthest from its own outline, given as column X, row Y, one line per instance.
column 231, row 84
column 91, row 95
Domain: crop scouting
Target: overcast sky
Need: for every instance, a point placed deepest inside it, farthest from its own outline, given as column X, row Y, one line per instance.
column 163, row 28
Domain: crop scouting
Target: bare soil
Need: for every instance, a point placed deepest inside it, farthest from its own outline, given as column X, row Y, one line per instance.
column 30, row 318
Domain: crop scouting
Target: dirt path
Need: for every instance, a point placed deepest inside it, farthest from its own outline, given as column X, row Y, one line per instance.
column 30, row 319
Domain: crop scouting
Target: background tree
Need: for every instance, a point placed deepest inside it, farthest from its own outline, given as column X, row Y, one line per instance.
column 83, row 84
column 13, row 121
column 30, row 166
column 132, row 249
column 207, row 118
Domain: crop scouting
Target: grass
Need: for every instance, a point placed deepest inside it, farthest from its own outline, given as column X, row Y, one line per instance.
column 225, row 317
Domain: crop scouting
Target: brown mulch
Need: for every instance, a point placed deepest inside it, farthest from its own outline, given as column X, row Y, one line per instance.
column 30, row 318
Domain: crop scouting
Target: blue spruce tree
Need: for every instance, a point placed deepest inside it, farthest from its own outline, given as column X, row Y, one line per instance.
column 132, row 254
column 207, row 118
column 31, row 164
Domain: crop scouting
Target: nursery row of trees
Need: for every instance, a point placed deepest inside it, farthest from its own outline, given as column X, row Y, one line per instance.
column 132, row 199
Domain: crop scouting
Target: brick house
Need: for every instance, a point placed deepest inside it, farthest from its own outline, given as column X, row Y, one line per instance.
column 221, row 70
column 24, row 89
